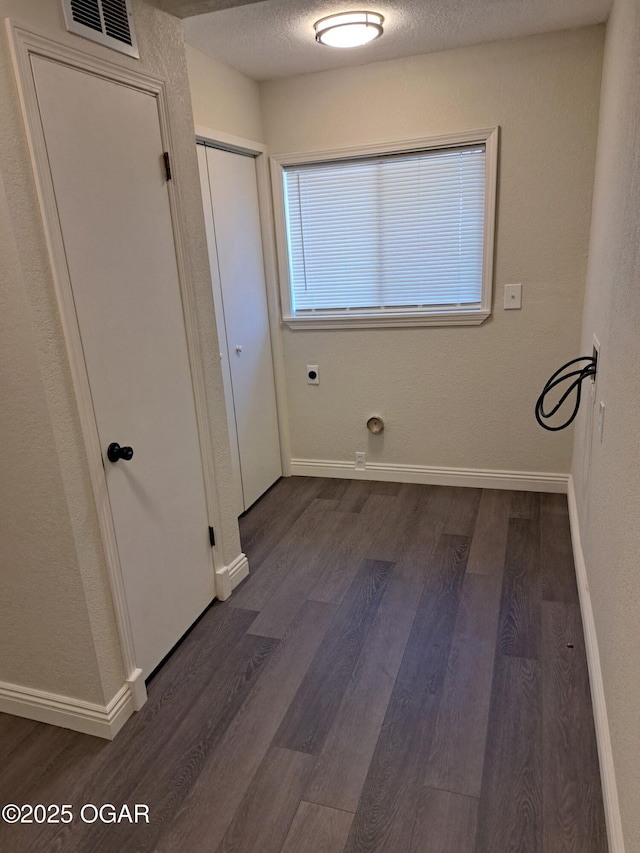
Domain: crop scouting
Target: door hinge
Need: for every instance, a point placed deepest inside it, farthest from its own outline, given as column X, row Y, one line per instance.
column 212, row 536
column 167, row 165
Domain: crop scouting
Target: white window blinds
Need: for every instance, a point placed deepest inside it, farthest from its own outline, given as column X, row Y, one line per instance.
column 387, row 234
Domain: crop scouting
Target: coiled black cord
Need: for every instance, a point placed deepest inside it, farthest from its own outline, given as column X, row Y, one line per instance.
column 588, row 370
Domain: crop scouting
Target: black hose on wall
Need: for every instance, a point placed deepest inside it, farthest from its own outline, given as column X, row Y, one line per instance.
column 576, row 386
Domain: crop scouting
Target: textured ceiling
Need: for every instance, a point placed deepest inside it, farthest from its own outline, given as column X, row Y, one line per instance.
column 276, row 38
column 187, row 8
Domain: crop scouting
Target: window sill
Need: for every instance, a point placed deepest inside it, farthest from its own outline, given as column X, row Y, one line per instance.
column 388, row 321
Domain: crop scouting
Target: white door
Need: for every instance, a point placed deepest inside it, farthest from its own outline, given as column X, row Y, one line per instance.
column 105, row 153
column 230, row 196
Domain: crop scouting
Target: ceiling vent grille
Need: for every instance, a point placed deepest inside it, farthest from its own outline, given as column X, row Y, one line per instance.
column 109, row 22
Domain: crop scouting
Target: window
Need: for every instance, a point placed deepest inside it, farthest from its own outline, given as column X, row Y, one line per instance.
column 399, row 235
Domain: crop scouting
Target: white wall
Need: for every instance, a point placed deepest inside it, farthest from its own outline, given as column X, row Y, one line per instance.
column 57, row 628
column 460, row 397
column 607, row 474
column 223, row 98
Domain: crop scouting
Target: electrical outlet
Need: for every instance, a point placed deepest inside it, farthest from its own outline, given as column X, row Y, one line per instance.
column 601, row 421
column 313, row 375
column 512, row 296
column 361, row 461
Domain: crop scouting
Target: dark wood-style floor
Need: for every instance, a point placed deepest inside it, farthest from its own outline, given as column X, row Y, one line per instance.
column 403, row 671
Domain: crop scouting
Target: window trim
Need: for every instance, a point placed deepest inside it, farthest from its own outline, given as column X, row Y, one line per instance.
column 360, row 319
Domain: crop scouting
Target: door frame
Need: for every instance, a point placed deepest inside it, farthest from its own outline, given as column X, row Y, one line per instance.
column 257, row 150
column 23, row 44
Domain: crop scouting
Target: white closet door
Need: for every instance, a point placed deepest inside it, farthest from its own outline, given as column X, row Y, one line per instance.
column 238, row 496
column 240, row 267
column 105, row 154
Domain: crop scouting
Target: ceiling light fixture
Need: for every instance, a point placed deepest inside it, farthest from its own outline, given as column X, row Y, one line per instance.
column 349, row 29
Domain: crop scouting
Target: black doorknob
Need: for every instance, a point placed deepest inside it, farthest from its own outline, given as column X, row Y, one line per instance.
column 115, row 452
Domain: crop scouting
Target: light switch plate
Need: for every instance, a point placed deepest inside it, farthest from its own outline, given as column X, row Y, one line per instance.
column 512, row 296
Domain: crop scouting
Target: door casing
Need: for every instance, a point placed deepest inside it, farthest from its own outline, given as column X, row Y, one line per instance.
column 24, row 44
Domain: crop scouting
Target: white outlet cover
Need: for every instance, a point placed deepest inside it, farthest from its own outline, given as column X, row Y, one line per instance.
column 512, row 296
column 313, row 369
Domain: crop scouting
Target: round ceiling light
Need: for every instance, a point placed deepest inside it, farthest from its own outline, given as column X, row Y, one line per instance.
column 349, row 29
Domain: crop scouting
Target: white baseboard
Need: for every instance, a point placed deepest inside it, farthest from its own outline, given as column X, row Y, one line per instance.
column 228, row 577
column 238, row 570
column 137, row 688
column 603, row 736
column 525, row 481
column 103, row 721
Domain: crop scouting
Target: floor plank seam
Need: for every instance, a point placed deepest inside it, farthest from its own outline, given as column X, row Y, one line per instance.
column 325, row 806
column 450, row 791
